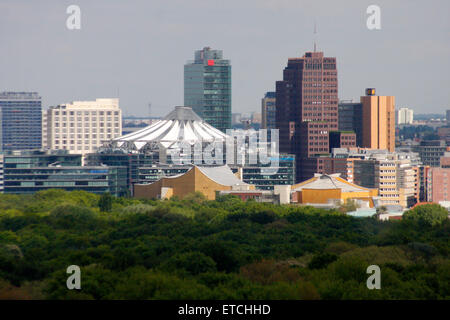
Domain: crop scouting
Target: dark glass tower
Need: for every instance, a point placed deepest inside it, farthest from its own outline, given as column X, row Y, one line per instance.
column 207, row 87
column 20, row 120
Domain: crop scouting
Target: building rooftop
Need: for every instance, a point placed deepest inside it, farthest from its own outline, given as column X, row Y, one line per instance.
column 180, row 125
column 328, row 181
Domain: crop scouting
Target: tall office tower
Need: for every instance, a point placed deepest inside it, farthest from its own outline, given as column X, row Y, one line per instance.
column 447, row 116
column 207, row 87
column 307, row 109
column 44, row 130
column 378, row 113
column 405, row 116
column 83, row 126
column 20, row 120
column 268, row 111
column 350, row 118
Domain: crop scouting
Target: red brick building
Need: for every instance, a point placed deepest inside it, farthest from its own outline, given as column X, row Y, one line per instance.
column 438, row 184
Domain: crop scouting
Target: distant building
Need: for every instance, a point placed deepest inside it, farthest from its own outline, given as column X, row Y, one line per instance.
column 332, row 190
column 27, row 172
column 257, row 174
column 236, row 118
column 44, row 130
column 437, row 184
column 405, row 116
column 207, row 180
column 268, row 111
column 445, row 160
column 395, row 175
column 447, row 116
column 118, row 158
column 378, row 114
column 444, row 134
column 431, row 151
column 342, row 139
column 20, row 121
column 256, row 117
column 350, row 119
column 83, row 126
column 254, row 174
column 207, row 87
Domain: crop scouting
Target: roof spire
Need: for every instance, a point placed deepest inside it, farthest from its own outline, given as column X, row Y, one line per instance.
column 315, row 33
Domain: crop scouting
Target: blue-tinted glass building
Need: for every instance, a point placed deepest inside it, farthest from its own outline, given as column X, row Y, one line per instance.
column 207, row 87
column 20, row 121
column 29, row 171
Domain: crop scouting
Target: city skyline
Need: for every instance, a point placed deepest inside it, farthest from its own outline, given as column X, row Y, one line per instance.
column 120, row 51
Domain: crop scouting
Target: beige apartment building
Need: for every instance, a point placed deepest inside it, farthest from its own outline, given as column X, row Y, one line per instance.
column 378, row 121
column 395, row 175
column 82, row 126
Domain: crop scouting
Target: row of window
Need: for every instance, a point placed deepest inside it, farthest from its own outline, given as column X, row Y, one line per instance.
column 87, row 130
column 86, row 124
column 79, row 113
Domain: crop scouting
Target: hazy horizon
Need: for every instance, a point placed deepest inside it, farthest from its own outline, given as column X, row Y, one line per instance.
column 136, row 50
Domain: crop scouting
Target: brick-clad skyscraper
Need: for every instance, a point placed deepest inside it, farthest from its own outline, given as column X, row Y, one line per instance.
column 307, row 109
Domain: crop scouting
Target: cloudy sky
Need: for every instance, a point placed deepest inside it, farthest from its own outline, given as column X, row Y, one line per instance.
column 136, row 49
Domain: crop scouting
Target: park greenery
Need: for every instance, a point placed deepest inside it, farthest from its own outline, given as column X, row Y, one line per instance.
column 225, row 249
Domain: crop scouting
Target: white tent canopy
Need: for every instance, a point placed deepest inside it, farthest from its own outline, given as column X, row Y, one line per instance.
column 182, row 124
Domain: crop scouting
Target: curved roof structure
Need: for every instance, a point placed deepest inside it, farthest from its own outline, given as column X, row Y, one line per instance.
column 328, row 181
column 182, row 124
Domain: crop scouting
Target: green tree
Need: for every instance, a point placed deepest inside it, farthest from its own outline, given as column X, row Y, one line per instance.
column 427, row 214
column 105, row 202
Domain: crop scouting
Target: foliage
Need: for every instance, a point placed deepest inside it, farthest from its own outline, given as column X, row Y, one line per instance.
column 225, row 249
column 105, row 202
column 427, row 214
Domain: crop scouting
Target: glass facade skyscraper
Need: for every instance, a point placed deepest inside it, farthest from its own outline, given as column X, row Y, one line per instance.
column 207, row 87
column 20, row 120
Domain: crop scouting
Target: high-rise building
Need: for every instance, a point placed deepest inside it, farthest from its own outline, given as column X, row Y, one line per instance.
column 405, row 116
column 307, row 109
column 378, row 114
column 20, row 121
column 83, row 126
column 207, row 87
column 447, row 116
column 268, row 111
column 350, row 118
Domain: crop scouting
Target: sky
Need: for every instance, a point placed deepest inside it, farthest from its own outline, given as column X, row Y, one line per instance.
column 135, row 50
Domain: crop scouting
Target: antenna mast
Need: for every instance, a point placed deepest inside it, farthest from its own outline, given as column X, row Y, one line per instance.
column 315, row 34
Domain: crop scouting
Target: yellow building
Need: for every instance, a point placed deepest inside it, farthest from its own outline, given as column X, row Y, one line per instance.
column 331, row 189
column 206, row 180
column 378, row 121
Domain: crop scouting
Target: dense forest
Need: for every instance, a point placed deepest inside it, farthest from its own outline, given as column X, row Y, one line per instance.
column 225, row 249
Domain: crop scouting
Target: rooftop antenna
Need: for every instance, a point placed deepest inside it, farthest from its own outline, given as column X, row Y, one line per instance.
column 149, row 110
column 315, row 33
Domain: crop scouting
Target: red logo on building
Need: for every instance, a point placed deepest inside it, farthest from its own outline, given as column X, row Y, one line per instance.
column 210, row 62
